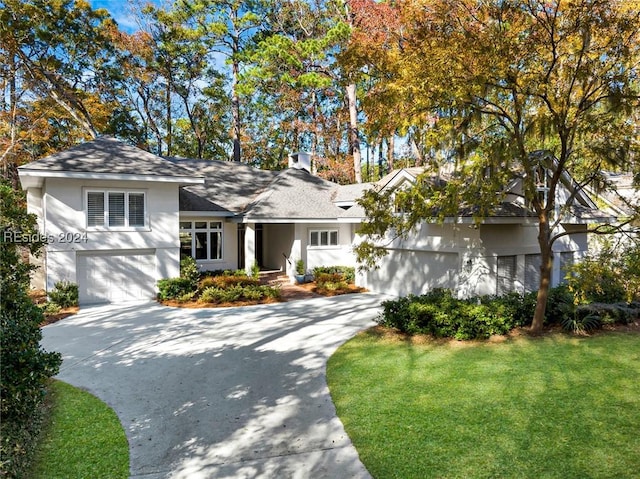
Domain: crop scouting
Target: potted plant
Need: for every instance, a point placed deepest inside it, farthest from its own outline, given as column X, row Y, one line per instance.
column 300, row 271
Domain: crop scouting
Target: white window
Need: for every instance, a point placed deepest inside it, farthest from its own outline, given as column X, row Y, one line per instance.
column 116, row 209
column 323, row 238
column 201, row 239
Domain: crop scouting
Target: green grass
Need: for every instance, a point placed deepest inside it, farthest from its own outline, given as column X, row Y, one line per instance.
column 552, row 407
column 83, row 438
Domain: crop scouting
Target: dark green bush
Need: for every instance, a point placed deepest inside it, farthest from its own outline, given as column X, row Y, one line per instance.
column 65, row 294
column 440, row 314
column 617, row 313
column 560, row 305
column 25, row 367
column 174, row 288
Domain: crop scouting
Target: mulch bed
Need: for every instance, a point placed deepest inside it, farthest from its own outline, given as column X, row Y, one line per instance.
column 39, row 297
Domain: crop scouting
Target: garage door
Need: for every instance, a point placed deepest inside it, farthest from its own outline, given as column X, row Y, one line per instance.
column 116, row 277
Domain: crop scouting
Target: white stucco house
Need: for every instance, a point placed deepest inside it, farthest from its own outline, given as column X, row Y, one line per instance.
column 499, row 255
column 118, row 218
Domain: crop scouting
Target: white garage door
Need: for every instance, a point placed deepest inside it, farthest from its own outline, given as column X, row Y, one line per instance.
column 116, row 277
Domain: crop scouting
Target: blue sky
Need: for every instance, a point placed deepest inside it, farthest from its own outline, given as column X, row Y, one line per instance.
column 121, row 11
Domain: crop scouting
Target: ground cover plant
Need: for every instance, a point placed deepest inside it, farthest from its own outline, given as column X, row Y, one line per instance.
column 83, row 437
column 557, row 406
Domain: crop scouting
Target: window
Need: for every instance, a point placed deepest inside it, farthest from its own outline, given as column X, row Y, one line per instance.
column 506, row 274
column 116, row 209
column 532, row 263
column 201, row 239
column 323, row 238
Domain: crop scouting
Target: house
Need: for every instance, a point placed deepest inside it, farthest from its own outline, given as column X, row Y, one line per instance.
column 118, row 219
column 500, row 254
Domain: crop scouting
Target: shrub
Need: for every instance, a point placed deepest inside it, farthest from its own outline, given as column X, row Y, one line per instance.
column 213, row 294
column 440, row 314
column 348, row 273
column 255, row 270
column 560, row 305
column 26, row 367
column 578, row 323
column 174, row 288
column 617, row 313
column 250, row 292
column 227, row 281
column 65, row 294
column 189, row 270
column 300, row 269
column 596, row 280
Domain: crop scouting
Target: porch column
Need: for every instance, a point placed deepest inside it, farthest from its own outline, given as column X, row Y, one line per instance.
column 249, row 246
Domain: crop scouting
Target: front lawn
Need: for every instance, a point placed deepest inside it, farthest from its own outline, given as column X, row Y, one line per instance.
column 553, row 407
column 83, row 438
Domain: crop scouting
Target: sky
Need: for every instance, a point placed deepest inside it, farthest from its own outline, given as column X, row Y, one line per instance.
column 121, row 11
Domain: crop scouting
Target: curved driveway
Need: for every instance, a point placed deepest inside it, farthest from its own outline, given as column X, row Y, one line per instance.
column 219, row 393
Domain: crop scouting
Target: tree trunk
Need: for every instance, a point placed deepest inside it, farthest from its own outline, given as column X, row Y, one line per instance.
column 235, row 106
column 354, row 137
column 546, row 254
column 390, row 148
column 169, row 118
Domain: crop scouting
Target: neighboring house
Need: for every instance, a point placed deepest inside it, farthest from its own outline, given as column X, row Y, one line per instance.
column 499, row 255
column 118, row 219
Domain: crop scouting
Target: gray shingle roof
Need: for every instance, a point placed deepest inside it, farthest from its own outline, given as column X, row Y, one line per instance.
column 296, row 194
column 106, row 155
column 228, row 187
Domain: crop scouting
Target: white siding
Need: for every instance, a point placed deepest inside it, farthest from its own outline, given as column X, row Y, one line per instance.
column 65, row 217
column 404, row 272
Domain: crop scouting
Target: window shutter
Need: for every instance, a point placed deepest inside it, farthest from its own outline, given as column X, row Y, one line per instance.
column 116, row 209
column 506, row 274
column 532, row 263
column 136, row 209
column 95, row 209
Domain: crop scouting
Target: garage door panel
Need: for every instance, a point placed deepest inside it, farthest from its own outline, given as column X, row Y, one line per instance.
column 116, row 277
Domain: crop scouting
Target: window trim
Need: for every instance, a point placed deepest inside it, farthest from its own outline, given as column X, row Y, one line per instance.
column 192, row 230
column 105, row 194
column 329, row 234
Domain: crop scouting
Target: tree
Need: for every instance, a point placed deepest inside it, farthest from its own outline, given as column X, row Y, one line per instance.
column 225, row 28
column 25, row 365
column 55, row 58
column 529, row 89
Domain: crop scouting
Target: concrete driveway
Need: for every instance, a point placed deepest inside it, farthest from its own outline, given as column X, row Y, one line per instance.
column 219, row 393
